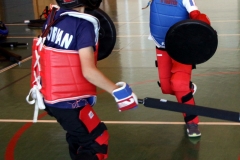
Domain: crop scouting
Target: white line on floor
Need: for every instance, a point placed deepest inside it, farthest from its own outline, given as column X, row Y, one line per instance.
column 126, row 122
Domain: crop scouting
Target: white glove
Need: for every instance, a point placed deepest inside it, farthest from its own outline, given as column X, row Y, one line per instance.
column 124, row 97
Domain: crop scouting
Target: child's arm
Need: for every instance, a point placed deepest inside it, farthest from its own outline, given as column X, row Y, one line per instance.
column 121, row 91
column 194, row 12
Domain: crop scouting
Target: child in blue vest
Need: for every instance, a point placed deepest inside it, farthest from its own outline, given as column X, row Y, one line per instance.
column 175, row 77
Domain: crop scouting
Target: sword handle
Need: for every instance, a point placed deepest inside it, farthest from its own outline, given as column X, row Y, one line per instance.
column 141, row 101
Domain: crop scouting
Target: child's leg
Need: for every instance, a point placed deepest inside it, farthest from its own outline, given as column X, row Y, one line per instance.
column 164, row 64
column 180, row 82
column 94, row 144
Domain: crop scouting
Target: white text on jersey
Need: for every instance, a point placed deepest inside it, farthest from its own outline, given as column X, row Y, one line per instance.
column 57, row 36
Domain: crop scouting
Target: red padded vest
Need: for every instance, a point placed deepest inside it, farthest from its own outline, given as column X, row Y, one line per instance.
column 60, row 74
column 57, row 73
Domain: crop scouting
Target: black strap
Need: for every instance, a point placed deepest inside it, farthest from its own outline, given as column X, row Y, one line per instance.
column 187, row 97
column 189, row 118
column 92, row 144
column 51, row 22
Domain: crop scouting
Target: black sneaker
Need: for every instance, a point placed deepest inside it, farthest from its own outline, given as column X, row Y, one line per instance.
column 192, row 130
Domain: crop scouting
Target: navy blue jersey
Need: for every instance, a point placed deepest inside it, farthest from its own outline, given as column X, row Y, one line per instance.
column 71, row 33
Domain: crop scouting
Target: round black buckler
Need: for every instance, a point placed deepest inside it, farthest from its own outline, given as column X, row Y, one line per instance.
column 191, row 42
column 107, row 33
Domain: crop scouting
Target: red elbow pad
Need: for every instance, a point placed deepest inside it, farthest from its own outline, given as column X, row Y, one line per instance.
column 199, row 16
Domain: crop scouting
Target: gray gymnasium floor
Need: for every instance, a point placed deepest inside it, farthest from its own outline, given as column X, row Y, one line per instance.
column 142, row 133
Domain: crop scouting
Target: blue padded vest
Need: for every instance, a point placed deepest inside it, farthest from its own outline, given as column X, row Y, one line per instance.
column 164, row 14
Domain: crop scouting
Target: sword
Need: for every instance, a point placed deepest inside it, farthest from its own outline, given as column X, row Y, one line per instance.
column 190, row 109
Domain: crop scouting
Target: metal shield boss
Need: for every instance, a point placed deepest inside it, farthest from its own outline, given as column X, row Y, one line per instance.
column 191, row 42
column 107, row 33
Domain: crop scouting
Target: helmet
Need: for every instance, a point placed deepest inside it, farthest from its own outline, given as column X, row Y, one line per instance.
column 69, row 4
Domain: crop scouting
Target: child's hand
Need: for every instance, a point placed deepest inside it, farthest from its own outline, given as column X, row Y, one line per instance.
column 124, row 96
